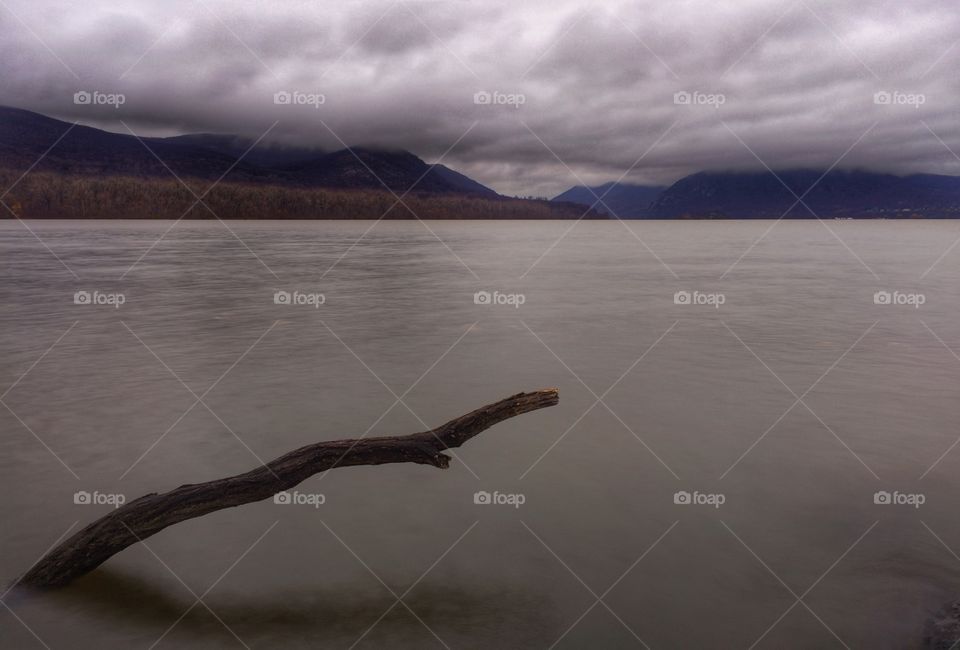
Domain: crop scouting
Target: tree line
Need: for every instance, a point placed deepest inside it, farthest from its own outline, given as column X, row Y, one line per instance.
column 47, row 195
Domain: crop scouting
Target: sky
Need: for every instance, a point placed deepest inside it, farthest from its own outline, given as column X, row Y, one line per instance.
column 527, row 97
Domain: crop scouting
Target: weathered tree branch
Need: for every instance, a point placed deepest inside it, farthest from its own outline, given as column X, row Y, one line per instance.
column 143, row 517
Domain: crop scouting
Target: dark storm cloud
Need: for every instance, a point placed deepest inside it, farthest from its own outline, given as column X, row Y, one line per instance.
column 795, row 81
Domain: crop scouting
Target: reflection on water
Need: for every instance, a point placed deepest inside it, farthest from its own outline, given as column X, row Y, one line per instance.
column 796, row 398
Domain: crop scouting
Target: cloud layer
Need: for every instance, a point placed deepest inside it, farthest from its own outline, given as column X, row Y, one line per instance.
column 578, row 92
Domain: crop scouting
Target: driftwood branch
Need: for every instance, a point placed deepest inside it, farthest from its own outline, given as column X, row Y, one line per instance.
column 143, row 517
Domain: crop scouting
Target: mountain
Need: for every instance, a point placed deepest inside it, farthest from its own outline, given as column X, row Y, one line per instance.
column 838, row 194
column 25, row 137
column 624, row 200
column 400, row 171
column 54, row 170
column 461, row 182
column 762, row 195
column 43, row 145
column 262, row 155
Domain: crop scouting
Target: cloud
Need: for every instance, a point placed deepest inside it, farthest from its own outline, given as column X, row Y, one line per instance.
column 792, row 83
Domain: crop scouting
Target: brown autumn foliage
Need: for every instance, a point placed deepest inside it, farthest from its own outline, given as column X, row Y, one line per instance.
column 45, row 195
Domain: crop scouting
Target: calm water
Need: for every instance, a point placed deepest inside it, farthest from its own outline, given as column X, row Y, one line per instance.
column 706, row 410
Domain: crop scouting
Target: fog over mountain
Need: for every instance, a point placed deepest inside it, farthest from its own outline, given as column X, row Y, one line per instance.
column 621, row 200
column 576, row 93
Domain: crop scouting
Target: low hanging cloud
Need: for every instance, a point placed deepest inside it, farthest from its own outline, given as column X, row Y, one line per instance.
column 535, row 96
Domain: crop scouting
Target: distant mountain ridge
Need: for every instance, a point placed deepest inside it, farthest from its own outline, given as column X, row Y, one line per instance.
column 57, row 170
column 45, row 145
column 836, row 194
column 259, row 154
column 25, row 137
column 624, row 200
column 371, row 169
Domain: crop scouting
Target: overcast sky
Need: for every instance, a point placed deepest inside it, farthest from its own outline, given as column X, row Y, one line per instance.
column 593, row 85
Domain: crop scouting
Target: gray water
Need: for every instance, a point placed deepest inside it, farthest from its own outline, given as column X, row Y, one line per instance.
column 700, row 402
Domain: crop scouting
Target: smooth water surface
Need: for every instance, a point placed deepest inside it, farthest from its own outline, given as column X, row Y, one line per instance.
column 793, row 402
